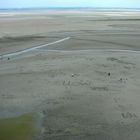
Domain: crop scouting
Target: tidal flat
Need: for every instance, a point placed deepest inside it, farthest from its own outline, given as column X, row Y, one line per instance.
column 86, row 87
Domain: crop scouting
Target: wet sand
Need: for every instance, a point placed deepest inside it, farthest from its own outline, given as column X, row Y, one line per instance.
column 81, row 89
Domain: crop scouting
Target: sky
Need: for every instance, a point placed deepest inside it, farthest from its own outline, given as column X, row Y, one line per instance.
column 69, row 3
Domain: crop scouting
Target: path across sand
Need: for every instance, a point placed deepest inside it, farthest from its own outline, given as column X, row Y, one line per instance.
column 31, row 49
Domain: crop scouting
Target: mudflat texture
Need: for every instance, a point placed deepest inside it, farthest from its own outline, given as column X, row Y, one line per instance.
column 84, row 88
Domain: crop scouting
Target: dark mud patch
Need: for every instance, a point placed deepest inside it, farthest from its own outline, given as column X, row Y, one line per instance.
column 119, row 61
column 6, row 39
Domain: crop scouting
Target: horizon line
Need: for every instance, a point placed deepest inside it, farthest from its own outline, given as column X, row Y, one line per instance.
column 70, row 7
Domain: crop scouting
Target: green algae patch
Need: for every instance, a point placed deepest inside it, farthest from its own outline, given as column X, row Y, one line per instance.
column 19, row 128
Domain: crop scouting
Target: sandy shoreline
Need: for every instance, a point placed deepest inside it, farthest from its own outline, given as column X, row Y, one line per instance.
column 84, row 88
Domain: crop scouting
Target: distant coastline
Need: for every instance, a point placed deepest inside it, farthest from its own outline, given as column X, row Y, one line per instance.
column 67, row 8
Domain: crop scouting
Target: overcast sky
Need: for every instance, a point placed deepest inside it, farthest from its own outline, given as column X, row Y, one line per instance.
column 69, row 3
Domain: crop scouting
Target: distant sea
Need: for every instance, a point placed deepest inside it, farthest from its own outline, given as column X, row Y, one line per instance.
column 66, row 8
